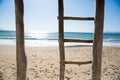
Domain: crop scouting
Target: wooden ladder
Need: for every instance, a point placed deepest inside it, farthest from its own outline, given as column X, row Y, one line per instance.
column 97, row 42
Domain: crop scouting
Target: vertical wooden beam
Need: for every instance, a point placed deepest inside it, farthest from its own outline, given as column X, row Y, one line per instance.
column 61, row 39
column 98, row 40
column 20, row 49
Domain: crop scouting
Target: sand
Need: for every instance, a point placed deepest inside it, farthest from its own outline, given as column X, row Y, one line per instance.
column 43, row 63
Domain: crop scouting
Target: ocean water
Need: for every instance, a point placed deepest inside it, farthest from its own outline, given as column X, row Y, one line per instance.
column 51, row 38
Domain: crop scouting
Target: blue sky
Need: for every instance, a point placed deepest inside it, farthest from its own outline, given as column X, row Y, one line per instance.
column 41, row 15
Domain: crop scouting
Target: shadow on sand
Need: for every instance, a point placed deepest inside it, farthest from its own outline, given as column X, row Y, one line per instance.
column 1, row 76
column 118, row 76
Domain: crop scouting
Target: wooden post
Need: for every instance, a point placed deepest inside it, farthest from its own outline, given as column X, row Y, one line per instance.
column 20, row 49
column 98, row 40
column 61, row 39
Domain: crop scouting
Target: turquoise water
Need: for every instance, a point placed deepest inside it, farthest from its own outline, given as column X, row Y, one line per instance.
column 39, row 38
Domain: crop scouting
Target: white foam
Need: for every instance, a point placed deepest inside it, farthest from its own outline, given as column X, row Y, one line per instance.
column 41, row 43
column 50, row 43
column 7, row 42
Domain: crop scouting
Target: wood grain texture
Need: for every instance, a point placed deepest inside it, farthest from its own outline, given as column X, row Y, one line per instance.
column 20, row 48
column 78, row 18
column 98, row 40
column 61, row 39
column 79, row 63
column 78, row 40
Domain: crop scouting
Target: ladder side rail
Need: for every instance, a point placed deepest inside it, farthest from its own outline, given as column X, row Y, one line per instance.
column 98, row 40
column 61, row 39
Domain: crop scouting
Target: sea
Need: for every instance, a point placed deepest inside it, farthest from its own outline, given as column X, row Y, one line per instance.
column 35, row 38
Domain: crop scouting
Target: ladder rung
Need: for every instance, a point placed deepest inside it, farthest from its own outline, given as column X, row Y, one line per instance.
column 80, row 63
column 78, row 40
column 78, row 18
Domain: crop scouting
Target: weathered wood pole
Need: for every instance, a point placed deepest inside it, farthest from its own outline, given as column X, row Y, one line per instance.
column 61, row 39
column 20, row 48
column 98, row 40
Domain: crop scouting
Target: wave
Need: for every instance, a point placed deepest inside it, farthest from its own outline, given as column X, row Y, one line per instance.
column 13, row 38
column 113, row 40
column 11, row 35
column 32, row 38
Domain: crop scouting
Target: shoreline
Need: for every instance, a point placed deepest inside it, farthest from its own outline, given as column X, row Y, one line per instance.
column 43, row 63
column 49, row 43
column 58, row 46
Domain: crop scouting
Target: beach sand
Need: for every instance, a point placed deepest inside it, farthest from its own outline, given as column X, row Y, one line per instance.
column 43, row 63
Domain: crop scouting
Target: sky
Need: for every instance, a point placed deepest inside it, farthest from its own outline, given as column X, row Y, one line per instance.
column 41, row 15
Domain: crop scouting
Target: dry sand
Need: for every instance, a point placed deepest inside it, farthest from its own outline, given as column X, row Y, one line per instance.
column 43, row 63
